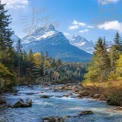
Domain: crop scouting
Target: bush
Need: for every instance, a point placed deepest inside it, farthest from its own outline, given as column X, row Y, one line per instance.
column 114, row 99
column 6, row 77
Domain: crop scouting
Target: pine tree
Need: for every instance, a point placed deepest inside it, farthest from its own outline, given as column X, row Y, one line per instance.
column 99, row 67
column 119, row 66
column 19, row 54
column 115, row 51
column 117, row 41
column 6, row 50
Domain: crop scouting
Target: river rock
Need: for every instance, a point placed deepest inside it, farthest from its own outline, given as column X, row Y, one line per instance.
column 96, row 96
column 22, row 104
column 45, row 96
column 2, row 101
column 30, row 86
column 66, row 95
column 80, row 96
column 83, row 93
column 118, row 109
column 85, row 113
column 56, row 90
column 30, row 93
column 53, row 119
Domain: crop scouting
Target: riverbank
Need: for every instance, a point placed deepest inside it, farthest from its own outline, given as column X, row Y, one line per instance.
column 108, row 92
column 111, row 93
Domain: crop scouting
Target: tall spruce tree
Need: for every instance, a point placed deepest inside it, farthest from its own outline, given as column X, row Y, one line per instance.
column 6, row 50
column 99, row 67
column 115, row 51
column 117, row 41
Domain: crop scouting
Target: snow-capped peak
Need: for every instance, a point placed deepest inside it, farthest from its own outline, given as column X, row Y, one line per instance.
column 82, row 43
column 42, row 30
column 77, row 39
column 49, row 27
column 46, row 35
column 40, row 33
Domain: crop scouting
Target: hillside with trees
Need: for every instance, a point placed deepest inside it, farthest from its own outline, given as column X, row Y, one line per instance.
column 105, row 71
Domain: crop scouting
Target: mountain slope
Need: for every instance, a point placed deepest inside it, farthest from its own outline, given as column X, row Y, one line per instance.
column 55, row 43
column 82, row 43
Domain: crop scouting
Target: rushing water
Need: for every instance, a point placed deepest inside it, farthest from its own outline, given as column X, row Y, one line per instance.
column 56, row 105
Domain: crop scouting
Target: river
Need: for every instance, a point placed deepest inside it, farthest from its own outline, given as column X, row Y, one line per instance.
column 56, row 105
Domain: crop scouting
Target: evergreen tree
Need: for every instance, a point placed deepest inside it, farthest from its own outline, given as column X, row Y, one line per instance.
column 115, row 51
column 19, row 52
column 99, row 67
column 6, row 50
column 117, row 41
column 119, row 66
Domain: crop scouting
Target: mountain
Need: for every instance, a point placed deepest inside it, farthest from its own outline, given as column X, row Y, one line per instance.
column 82, row 43
column 55, row 43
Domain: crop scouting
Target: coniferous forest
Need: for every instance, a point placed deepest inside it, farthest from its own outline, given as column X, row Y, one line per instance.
column 104, row 71
column 19, row 68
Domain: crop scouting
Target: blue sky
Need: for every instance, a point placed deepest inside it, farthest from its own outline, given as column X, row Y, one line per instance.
column 88, row 18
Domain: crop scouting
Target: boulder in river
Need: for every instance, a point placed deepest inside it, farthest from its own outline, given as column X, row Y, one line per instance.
column 2, row 101
column 53, row 119
column 22, row 104
column 45, row 96
column 85, row 113
column 66, row 95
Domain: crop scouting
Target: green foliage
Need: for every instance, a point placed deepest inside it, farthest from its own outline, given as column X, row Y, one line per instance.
column 119, row 66
column 99, row 68
column 56, row 71
column 6, row 50
column 5, row 76
column 118, row 43
column 106, row 65
column 114, row 99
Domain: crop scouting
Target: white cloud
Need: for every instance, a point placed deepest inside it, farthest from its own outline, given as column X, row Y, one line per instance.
column 13, row 4
column 111, row 25
column 73, row 27
column 78, row 23
column 83, row 31
column 104, row 2
column 89, row 26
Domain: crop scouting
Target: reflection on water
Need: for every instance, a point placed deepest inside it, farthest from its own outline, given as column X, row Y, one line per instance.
column 56, row 105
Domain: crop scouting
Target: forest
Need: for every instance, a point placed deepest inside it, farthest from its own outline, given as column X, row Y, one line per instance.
column 19, row 68
column 104, row 74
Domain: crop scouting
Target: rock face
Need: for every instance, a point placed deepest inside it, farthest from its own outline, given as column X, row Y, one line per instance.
column 47, row 39
column 22, row 104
